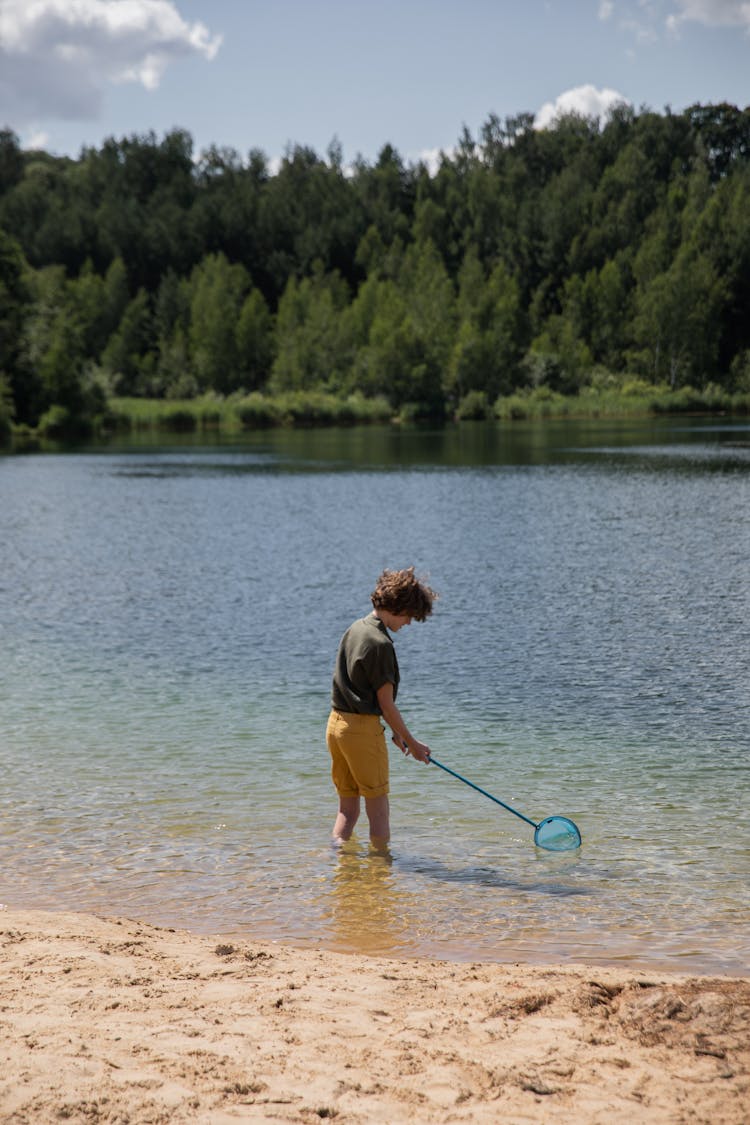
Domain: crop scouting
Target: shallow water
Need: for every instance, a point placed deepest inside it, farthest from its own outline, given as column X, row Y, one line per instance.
column 169, row 621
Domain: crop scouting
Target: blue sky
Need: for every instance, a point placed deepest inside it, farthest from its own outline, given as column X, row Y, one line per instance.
column 270, row 73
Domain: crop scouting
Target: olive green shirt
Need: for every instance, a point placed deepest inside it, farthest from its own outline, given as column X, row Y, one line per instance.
column 366, row 660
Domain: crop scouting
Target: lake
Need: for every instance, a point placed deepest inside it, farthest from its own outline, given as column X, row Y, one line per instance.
column 170, row 616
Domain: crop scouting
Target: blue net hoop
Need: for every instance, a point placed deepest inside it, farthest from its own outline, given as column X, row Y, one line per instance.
column 557, row 834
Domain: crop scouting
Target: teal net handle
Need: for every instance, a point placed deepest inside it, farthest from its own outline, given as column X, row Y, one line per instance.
column 484, row 792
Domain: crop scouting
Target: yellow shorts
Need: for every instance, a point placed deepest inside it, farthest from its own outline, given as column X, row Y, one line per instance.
column 359, row 755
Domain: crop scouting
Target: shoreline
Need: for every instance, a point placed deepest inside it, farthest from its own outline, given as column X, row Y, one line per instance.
column 110, row 1020
column 370, row 943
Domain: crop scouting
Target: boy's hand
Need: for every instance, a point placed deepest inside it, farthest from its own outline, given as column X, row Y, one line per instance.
column 417, row 749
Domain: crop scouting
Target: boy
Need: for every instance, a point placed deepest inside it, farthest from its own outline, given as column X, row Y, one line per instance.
column 365, row 685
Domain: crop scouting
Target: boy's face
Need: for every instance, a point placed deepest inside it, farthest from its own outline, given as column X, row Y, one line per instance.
column 398, row 620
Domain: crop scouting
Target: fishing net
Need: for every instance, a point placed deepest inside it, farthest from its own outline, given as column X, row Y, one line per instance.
column 554, row 833
column 557, row 834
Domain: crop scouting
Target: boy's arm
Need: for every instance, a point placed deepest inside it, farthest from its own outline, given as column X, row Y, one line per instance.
column 393, row 717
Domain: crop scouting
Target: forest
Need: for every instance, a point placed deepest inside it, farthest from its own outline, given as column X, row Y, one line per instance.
column 586, row 258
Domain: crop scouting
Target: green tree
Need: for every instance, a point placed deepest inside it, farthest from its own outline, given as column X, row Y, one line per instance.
column 581, row 236
column 430, row 303
column 723, row 133
column 386, row 193
column 98, row 304
column 71, row 399
column 559, row 358
column 394, row 362
column 129, row 356
column 217, row 293
column 7, row 411
column 255, row 342
column 488, row 346
column 310, row 351
column 15, row 304
column 141, row 192
column 171, row 326
column 48, row 310
column 391, row 357
column 61, row 366
column 598, row 309
column 716, row 222
column 678, row 320
column 308, row 213
column 11, row 160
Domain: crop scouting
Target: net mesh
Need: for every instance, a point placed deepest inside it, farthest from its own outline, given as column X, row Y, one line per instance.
column 557, row 834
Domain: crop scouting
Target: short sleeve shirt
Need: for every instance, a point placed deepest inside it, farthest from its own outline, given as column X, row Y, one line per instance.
column 366, row 660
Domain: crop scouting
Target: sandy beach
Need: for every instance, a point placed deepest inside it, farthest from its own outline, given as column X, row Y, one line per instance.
column 111, row 1020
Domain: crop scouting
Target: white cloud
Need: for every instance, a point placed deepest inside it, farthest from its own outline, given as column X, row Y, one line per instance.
column 645, row 20
column 432, row 158
column 711, row 13
column 58, row 56
column 38, row 140
column 645, row 34
column 587, row 101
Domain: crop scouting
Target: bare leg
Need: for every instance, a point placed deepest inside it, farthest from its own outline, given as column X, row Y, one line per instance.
column 378, row 814
column 348, row 815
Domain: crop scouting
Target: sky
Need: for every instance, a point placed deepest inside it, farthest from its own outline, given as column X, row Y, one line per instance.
column 269, row 74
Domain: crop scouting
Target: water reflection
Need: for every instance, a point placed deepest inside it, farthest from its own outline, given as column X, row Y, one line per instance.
column 367, row 908
column 678, row 445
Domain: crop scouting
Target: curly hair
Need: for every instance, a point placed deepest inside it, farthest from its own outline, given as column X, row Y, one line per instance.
column 401, row 592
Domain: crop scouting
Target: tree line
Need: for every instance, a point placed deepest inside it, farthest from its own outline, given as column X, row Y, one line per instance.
column 528, row 259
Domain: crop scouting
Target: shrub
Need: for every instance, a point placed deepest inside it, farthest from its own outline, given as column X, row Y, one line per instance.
column 474, row 407
column 6, row 411
column 635, row 386
column 256, row 412
column 114, row 421
column 369, row 410
column 415, row 413
column 512, row 408
column 318, row 408
column 179, row 420
column 311, row 408
column 740, row 371
column 688, row 400
column 209, row 417
column 59, row 423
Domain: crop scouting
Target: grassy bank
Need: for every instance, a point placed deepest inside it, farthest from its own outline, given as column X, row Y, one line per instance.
column 235, row 414
column 258, row 411
column 634, row 399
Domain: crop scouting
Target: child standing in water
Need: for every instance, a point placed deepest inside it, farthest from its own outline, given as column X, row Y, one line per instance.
column 365, row 685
